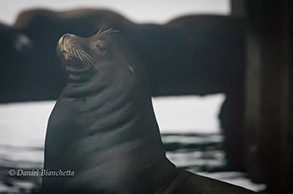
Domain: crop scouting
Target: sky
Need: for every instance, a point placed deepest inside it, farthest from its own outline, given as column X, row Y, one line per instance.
column 158, row 11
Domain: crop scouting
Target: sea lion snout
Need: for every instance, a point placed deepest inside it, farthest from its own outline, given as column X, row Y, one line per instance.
column 66, row 37
column 66, row 46
column 80, row 54
column 73, row 52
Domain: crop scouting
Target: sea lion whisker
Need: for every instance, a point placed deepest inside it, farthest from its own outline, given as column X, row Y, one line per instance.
column 87, row 55
column 80, row 56
column 83, row 55
column 77, row 54
column 89, row 59
column 74, row 53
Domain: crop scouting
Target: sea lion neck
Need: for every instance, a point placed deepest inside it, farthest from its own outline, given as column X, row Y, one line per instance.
column 116, row 126
column 92, row 83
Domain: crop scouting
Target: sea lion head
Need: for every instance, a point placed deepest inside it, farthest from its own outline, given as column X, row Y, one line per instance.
column 104, row 60
column 14, row 42
column 82, row 56
column 22, row 43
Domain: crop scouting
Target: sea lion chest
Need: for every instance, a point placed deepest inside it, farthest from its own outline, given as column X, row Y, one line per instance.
column 80, row 140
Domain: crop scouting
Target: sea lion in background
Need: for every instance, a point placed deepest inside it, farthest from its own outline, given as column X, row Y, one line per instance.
column 14, row 41
column 198, row 54
column 15, row 46
column 104, row 129
column 190, row 55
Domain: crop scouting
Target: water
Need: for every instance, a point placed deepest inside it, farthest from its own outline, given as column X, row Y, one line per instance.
column 22, row 140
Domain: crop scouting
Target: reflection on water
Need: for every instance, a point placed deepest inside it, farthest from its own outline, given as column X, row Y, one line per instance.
column 22, row 138
column 197, row 152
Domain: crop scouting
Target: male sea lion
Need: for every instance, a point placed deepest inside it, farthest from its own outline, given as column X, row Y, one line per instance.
column 190, row 55
column 104, row 129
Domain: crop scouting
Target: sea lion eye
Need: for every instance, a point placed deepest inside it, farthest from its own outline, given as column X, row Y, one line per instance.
column 101, row 48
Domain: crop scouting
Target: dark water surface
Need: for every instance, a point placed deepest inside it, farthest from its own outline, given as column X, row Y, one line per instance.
column 196, row 152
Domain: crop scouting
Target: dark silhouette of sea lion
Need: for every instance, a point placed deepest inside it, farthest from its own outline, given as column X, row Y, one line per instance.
column 15, row 46
column 14, row 40
column 199, row 54
column 104, row 129
column 213, row 63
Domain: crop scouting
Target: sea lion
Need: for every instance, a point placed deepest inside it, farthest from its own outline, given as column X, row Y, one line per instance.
column 14, row 40
column 189, row 55
column 15, row 46
column 104, row 129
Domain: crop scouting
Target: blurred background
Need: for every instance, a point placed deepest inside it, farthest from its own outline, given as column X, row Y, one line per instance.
column 227, row 113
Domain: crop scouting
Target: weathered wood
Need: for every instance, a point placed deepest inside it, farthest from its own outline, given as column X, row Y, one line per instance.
column 269, row 94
